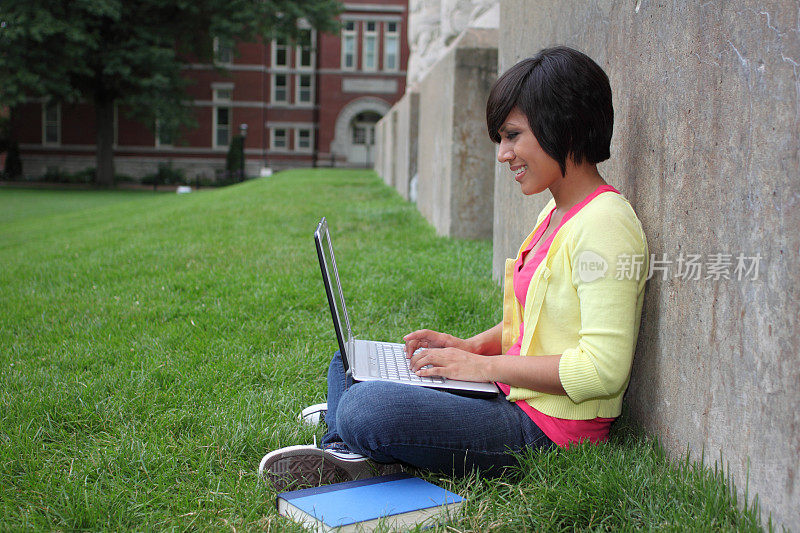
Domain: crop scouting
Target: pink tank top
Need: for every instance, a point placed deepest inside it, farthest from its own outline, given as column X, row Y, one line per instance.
column 559, row 430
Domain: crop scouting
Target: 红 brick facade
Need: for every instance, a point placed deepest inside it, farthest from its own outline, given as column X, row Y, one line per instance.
column 301, row 106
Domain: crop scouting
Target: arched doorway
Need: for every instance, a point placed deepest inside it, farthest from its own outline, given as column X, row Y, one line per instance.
column 354, row 138
column 362, row 128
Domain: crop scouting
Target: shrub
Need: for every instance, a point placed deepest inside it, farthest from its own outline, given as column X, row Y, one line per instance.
column 124, row 178
column 169, row 175
column 56, row 175
column 13, row 170
column 82, row 176
column 165, row 175
column 234, row 163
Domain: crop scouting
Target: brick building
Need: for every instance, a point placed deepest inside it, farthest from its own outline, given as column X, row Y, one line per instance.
column 300, row 106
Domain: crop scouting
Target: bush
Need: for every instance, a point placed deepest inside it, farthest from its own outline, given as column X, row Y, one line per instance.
column 165, row 175
column 56, row 175
column 124, row 178
column 82, row 176
column 13, row 170
column 234, row 163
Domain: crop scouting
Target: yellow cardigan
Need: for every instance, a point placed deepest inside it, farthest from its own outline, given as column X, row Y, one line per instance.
column 575, row 308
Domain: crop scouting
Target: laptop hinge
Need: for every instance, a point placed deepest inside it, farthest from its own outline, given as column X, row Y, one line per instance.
column 350, row 348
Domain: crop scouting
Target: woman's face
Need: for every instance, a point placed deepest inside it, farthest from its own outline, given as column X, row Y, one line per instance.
column 534, row 170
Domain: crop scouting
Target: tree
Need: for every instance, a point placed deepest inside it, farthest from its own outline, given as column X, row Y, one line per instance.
column 234, row 162
column 130, row 52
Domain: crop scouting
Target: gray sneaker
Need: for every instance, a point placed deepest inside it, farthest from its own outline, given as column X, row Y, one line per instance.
column 313, row 414
column 308, row 466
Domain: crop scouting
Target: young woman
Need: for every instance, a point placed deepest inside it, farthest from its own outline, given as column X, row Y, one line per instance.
column 571, row 308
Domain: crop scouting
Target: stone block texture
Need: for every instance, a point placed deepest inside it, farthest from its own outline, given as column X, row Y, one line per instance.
column 378, row 164
column 405, row 141
column 435, row 24
column 455, row 160
column 706, row 148
column 384, row 149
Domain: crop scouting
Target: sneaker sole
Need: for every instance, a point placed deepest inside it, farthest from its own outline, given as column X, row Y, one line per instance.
column 305, row 466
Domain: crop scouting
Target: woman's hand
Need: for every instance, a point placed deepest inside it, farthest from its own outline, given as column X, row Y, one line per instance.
column 426, row 338
column 452, row 363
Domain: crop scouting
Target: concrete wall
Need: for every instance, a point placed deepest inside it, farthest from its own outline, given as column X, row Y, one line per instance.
column 436, row 28
column 406, row 132
column 706, row 148
column 433, row 25
column 384, row 149
column 455, row 158
column 378, row 165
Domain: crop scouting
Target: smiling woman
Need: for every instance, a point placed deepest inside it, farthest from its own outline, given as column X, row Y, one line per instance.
column 561, row 355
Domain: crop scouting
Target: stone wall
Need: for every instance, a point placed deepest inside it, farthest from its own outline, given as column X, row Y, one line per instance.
column 435, row 24
column 379, row 163
column 455, row 157
column 406, row 132
column 384, row 152
column 706, row 148
column 436, row 29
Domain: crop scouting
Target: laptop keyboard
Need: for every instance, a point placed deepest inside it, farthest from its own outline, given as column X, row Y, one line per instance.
column 393, row 364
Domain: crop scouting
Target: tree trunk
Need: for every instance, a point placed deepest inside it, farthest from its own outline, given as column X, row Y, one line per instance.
column 104, row 111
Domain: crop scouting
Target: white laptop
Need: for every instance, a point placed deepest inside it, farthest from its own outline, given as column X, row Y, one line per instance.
column 373, row 360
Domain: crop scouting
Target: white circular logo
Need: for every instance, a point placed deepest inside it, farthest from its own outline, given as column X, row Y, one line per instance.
column 591, row 266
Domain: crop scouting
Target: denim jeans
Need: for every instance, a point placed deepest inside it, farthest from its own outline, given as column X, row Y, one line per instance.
column 426, row 428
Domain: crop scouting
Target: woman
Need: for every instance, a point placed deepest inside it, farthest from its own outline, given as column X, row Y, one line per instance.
column 571, row 308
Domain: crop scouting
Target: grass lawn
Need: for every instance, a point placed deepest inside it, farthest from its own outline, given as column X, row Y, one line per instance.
column 153, row 347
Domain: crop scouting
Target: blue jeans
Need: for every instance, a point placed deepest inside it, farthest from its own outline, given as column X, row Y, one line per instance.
column 426, row 428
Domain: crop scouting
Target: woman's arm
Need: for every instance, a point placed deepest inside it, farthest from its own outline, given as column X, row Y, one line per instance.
column 536, row 373
column 485, row 343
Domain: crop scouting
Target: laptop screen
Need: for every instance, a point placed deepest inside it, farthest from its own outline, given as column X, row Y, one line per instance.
column 333, row 287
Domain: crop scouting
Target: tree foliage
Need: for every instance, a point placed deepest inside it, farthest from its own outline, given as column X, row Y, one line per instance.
column 130, row 52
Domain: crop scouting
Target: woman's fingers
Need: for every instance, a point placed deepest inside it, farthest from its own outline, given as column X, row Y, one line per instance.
column 449, row 363
column 414, row 345
column 421, row 338
column 416, row 357
column 435, row 357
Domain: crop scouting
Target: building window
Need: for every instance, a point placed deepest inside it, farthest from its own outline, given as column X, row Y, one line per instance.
column 223, row 127
column 163, row 135
column 51, row 123
column 391, row 46
column 359, row 134
column 280, row 53
column 302, row 140
column 280, row 139
column 364, row 134
column 304, row 55
column 304, row 93
column 369, row 56
column 223, row 94
column 364, row 128
column 280, row 88
column 222, row 117
column 349, row 46
column 223, row 52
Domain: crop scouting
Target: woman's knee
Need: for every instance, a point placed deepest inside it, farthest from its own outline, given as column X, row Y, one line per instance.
column 365, row 414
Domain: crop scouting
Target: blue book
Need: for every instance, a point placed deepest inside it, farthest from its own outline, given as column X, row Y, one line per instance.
column 393, row 501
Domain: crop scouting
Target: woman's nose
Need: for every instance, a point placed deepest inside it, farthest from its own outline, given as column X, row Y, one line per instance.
column 504, row 153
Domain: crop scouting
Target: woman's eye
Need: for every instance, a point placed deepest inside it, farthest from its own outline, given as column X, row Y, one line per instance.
column 512, row 134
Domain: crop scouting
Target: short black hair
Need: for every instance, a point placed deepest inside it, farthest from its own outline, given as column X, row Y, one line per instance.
column 567, row 99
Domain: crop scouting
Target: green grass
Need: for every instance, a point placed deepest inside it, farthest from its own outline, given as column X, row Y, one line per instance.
column 154, row 347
